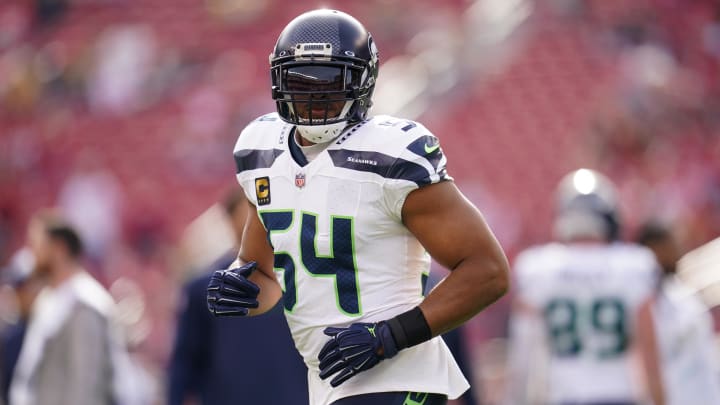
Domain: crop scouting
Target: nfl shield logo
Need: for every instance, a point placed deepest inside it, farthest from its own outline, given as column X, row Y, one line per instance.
column 300, row 180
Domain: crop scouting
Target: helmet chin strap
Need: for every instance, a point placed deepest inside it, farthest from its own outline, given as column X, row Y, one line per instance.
column 321, row 133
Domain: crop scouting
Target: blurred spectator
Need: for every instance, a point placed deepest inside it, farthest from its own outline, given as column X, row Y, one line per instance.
column 237, row 11
column 124, row 58
column 71, row 354
column 686, row 356
column 205, row 360
column 8, row 224
column 19, row 87
column 90, row 199
column 25, row 286
column 14, row 22
column 49, row 11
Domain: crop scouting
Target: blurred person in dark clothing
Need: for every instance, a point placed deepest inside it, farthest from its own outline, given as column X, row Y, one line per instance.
column 660, row 238
column 25, row 287
column 50, row 11
column 71, row 353
column 205, row 355
column 680, row 328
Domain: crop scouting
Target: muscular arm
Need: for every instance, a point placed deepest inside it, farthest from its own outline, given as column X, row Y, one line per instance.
column 255, row 247
column 455, row 234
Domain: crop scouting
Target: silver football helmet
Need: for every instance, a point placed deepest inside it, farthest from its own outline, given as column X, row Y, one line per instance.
column 586, row 207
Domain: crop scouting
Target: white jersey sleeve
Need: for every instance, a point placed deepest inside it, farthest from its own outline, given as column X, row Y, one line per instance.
column 420, row 161
column 260, row 143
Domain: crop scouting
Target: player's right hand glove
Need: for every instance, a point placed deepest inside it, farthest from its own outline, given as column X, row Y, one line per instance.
column 230, row 293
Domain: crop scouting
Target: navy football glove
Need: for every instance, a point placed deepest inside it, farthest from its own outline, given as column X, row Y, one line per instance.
column 230, row 293
column 354, row 349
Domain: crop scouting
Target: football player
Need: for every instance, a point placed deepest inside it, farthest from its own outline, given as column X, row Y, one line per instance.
column 572, row 326
column 345, row 212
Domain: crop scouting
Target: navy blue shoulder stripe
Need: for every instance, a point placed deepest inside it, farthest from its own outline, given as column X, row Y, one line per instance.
column 248, row 159
column 379, row 163
column 428, row 147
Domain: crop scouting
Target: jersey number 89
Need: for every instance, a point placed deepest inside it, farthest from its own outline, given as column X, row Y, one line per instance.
column 571, row 331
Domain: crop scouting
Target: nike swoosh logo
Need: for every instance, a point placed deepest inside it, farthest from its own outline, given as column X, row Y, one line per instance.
column 431, row 149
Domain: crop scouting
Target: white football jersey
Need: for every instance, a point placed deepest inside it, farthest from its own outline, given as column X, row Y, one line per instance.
column 587, row 296
column 342, row 254
column 686, row 342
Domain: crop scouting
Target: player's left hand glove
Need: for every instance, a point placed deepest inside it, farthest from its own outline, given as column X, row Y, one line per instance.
column 354, row 349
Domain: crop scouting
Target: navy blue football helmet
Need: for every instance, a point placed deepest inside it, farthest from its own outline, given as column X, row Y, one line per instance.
column 323, row 71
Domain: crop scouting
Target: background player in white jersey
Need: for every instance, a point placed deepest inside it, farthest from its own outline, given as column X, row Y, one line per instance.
column 345, row 208
column 684, row 354
column 572, row 325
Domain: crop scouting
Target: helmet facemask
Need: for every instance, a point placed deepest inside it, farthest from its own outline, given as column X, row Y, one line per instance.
column 314, row 94
column 323, row 70
column 323, row 94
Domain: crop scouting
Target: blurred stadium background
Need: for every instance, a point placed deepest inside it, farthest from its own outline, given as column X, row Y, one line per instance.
column 124, row 114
